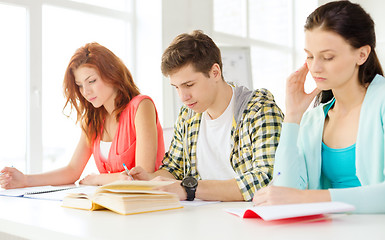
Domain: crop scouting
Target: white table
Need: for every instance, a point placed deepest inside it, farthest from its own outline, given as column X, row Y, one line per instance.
column 44, row 219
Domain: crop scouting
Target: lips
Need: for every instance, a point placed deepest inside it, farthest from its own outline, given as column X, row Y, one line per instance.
column 91, row 99
column 319, row 79
column 191, row 105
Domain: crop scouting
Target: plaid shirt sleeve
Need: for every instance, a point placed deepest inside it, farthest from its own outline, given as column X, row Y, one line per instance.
column 258, row 137
column 173, row 159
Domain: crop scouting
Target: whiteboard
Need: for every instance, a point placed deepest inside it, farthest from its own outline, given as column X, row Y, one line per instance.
column 237, row 65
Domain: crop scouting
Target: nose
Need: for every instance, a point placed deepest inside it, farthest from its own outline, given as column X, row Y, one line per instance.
column 315, row 66
column 86, row 90
column 184, row 95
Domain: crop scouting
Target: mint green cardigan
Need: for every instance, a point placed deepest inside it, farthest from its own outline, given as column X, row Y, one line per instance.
column 298, row 156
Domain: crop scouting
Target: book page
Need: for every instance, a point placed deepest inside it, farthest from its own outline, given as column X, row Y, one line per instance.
column 291, row 210
column 142, row 185
column 59, row 195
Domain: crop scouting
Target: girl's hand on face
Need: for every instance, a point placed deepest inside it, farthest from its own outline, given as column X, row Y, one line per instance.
column 297, row 100
column 12, row 178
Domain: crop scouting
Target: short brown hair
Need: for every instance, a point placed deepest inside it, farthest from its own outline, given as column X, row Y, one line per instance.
column 195, row 48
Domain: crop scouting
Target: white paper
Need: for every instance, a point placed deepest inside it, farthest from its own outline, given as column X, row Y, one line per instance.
column 47, row 192
column 275, row 212
column 197, row 202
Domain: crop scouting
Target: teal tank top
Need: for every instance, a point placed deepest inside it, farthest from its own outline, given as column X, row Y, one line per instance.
column 339, row 165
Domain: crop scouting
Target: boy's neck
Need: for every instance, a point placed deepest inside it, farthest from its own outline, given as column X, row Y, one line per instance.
column 222, row 100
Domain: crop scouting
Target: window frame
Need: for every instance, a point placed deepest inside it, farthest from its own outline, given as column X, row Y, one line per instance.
column 34, row 9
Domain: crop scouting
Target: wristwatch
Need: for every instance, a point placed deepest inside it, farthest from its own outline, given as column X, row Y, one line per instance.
column 190, row 186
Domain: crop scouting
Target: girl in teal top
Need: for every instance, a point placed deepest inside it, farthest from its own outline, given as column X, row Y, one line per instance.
column 340, row 46
column 339, row 164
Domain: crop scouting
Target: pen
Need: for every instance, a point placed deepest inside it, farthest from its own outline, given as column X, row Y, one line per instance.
column 127, row 171
column 272, row 181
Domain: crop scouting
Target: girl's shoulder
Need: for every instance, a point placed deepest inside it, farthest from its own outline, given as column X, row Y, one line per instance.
column 133, row 105
column 135, row 101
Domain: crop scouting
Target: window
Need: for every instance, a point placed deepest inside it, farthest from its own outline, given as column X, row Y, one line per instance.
column 60, row 135
column 111, row 4
column 13, row 91
column 38, row 41
column 229, row 17
column 274, row 32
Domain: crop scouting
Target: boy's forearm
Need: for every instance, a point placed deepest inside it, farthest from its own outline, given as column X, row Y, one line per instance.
column 162, row 173
column 219, row 190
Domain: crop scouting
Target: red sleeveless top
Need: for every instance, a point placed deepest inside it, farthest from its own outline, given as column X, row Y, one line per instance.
column 123, row 145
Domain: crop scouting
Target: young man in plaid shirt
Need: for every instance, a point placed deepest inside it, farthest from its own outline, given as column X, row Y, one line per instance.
column 225, row 136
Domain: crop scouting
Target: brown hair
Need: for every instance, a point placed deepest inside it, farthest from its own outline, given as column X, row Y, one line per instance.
column 112, row 71
column 350, row 21
column 195, row 48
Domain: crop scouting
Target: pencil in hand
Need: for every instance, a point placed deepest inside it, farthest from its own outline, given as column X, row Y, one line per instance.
column 127, row 171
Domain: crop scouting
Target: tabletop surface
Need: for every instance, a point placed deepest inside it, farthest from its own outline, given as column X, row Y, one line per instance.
column 45, row 219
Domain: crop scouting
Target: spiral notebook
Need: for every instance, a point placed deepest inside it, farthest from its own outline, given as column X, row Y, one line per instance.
column 35, row 192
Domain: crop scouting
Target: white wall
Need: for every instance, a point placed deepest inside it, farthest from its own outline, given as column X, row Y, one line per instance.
column 376, row 10
column 180, row 17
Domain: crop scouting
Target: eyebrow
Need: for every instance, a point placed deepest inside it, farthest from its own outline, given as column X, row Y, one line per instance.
column 77, row 83
column 185, row 83
column 326, row 50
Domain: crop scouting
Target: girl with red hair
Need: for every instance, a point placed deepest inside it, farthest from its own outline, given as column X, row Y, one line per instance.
column 119, row 125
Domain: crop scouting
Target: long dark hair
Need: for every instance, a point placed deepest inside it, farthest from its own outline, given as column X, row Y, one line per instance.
column 350, row 21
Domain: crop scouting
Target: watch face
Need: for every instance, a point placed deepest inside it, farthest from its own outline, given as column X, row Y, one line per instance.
column 189, row 182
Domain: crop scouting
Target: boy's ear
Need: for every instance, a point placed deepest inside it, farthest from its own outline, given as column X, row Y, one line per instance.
column 215, row 71
column 363, row 52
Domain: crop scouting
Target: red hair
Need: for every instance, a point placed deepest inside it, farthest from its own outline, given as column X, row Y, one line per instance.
column 112, row 71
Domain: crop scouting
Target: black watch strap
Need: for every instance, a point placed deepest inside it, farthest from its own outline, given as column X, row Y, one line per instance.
column 190, row 193
column 190, row 186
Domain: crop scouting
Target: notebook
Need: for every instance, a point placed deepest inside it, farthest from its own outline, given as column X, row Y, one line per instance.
column 35, row 192
column 125, row 197
column 276, row 212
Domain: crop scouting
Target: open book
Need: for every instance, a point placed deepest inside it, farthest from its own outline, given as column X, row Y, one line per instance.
column 125, row 197
column 287, row 211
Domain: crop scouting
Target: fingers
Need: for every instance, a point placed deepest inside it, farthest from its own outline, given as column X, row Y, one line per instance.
column 136, row 170
column 7, row 170
column 299, row 76
column 259, row 196
column 5, row 180
column 138, row 173
column 124, row 176
column 86, row 179
column 303, row 71
column 82, row 181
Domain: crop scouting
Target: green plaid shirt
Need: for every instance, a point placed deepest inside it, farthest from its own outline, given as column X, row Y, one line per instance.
column 254, row 135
